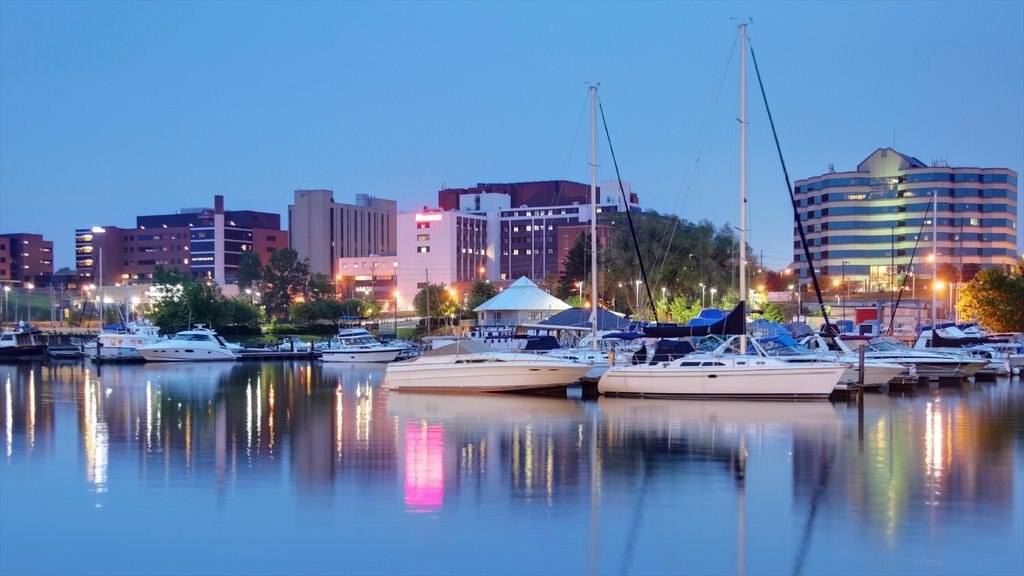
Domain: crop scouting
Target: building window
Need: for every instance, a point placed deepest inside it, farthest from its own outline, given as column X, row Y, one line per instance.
column 423, row 237
column 422, row 225
column 423, row 249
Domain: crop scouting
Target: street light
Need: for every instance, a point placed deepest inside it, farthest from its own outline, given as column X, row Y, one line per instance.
column 637, row 301
column 28, row 304
column 7, row 290
column 702, row 289
column 249, row 292
column 396, row 314
column 846, row 289
column 713, row 291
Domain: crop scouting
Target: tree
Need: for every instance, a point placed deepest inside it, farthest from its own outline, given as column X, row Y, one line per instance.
column 320, row 287
column 180, row 302
column 435, row 299
column 575, row 268
column 993, row 298
column 250, row 270
column 481, row 292
column 283, row 276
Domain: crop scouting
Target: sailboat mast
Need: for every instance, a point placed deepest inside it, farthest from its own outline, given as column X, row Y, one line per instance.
column 593, row 217
column 743, row 183
column 935, row 251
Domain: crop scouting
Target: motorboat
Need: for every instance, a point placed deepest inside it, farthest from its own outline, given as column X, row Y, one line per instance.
column 199, row 344
column 471, row 366
column 358, row 345
column 876, row 373
column 925, row 363
column 948, row 338
column 21, row 343
column 121, row 342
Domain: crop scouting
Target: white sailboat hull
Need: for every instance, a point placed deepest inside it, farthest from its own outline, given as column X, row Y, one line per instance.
column 750, row 378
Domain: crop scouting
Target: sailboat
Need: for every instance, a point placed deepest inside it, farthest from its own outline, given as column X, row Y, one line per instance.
column 726, row 375
column 588, row 351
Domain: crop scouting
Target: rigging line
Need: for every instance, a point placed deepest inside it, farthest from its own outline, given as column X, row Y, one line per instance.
column 910, row 265
column 572, row 148
column 789, row 186
column 629, row 213
column 698, row 148
column 695, row 158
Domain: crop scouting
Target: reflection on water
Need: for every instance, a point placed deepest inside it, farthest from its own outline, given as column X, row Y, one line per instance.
column 606, row 486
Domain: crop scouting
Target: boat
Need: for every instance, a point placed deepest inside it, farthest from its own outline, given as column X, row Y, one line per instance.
column 21, row 343
column 358, row 345
column 471, row 366
column 726, row 375
column 925, row 363
column 121, row 342
column 948, row 338
column 199, row 344
column 876, row 373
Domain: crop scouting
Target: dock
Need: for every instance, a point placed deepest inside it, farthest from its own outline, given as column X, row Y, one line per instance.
column 263, row 354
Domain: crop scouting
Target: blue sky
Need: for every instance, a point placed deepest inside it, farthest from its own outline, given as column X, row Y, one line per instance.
column 113, row 110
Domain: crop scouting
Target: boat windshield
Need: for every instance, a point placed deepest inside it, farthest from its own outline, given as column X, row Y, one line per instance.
column 191, row 337
column 887, row 344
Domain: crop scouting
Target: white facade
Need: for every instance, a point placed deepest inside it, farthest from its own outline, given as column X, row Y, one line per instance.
column 439, row 247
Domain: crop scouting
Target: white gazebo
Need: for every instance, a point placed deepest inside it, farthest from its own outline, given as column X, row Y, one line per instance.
column 521, row 303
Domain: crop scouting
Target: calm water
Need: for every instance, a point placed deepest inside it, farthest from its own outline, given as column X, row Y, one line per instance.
column 302, row 468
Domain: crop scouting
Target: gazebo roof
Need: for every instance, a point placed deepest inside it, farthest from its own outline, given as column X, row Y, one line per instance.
column 522, row 295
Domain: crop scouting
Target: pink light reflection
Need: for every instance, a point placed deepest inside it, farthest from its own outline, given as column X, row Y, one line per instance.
column 424, row 466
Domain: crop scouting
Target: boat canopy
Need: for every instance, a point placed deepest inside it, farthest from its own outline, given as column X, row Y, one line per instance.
column 731, row 324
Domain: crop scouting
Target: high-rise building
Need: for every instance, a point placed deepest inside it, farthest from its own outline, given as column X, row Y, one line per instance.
column 29, row 259
column 203, row 242
column 323, row 230
column 871, row 228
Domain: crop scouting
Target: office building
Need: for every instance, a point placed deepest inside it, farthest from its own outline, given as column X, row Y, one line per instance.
column 871, row 228
column 324, row 231
column 28, row 259
column 525, row 221
column 202, row 242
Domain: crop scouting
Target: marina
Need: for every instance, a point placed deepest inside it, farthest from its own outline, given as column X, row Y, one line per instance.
column 326, row 458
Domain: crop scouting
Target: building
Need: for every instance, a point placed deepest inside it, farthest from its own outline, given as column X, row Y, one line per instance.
column 26, row 259
column 324, row 231
column 870, row 229
column 202, row 242
column 525, row 220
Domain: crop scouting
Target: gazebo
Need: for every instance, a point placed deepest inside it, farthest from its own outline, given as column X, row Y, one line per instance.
column 521, row 303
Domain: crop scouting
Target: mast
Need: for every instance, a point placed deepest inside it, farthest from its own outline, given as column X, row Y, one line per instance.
column 593, row 217
column 743, row 184
column 935, row 252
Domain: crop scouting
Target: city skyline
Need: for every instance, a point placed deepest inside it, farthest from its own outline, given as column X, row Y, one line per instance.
column 109, row 111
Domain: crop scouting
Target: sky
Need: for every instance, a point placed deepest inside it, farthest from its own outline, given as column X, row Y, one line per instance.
column 110, row 111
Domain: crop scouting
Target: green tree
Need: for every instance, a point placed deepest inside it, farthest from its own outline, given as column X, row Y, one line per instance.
column 436, row 299
column 179, row 302
column 481, row 292
column 575, row 268
column 250, row 270
column 284, row 276
column 993, row 298
column 683, row 309
column 320, row 287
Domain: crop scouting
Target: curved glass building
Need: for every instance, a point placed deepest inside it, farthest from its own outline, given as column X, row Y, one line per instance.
column 871, row 230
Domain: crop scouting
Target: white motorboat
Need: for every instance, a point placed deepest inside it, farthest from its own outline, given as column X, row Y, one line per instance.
column 470, row 366
column 358, row 345
column 877, row 373
column 121, row 342
column 197, row 345
column 925, row 363
column 21, row 343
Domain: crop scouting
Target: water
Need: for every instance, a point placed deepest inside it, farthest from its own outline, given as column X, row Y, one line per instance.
column 281, row 468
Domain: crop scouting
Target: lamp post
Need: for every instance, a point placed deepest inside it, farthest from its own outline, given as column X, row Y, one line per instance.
column 396, row 314
column 637, row 301
column 846, row 289
column 7, row 290
column 249, row 292
column 702, row 289
column 28, row 303
column 713, row 291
